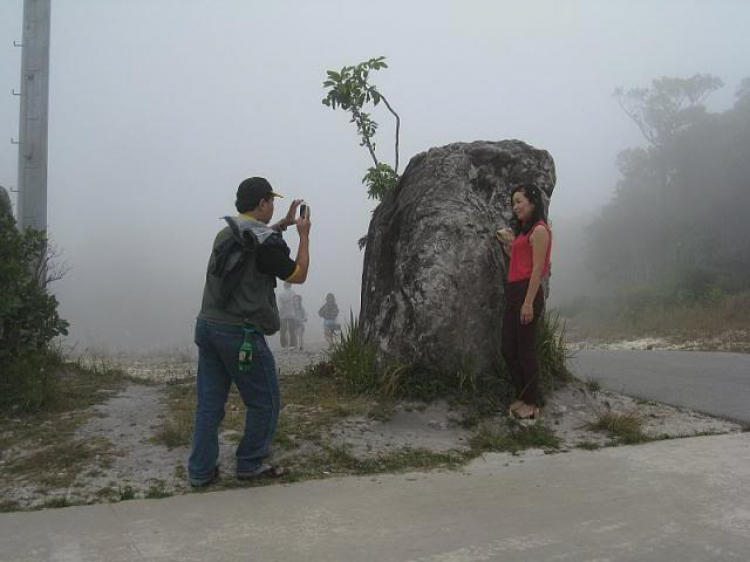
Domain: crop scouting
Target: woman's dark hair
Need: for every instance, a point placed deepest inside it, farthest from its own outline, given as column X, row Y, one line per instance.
column 534, row 196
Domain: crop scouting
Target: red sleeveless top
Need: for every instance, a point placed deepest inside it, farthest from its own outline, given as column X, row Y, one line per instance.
column 522, row 256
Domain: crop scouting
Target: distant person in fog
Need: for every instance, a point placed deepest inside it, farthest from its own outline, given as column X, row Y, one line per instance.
column 329, row 312
column 300, row 318
column 286, row 314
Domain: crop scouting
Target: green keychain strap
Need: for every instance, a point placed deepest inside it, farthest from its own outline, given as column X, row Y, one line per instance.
column 250, row 328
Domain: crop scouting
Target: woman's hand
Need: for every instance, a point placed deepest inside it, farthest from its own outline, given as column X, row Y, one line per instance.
column 527, row 313
column 505, row 235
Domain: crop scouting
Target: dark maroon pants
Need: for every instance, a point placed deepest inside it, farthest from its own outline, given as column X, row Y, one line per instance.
column 519, row 342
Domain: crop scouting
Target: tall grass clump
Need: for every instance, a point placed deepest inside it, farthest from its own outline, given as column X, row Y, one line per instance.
column 356, row 365
column 354, row 359
column 552, row 352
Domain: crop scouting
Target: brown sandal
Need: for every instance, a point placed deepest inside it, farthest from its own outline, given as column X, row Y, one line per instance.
column 535, row 414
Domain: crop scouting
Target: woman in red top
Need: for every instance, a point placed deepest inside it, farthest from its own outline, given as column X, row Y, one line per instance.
column 528, row 245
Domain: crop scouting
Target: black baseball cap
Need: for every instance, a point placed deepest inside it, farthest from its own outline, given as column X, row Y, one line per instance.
column 252, row 190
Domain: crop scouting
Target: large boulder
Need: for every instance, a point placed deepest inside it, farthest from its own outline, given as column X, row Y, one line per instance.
column 432, row 286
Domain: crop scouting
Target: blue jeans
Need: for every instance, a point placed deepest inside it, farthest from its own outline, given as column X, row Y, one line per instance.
column 218, row 346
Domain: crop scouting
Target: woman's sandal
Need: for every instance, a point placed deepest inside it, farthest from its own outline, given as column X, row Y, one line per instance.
column 265, row 471
column 513, row 407
column 535, row 414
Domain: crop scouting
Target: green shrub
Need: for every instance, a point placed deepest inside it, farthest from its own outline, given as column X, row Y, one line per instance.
column 28, row 319
column 513, row 437
column 31, row 383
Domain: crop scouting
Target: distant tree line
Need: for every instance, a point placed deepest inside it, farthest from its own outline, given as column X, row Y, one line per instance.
column 678, row 219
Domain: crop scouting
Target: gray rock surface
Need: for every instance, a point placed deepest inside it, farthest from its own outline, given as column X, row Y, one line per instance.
column 432, row 287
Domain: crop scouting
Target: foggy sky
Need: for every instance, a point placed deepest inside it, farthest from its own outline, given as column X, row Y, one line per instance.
column 158, row 109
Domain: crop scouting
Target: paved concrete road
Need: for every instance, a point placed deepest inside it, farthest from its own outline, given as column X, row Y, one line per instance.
column 714, row 383
column 678, row 500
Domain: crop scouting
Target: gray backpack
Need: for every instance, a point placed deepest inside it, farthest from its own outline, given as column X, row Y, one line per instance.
column 231, row 257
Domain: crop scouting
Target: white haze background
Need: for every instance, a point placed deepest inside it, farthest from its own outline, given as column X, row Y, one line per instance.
column 159, row 108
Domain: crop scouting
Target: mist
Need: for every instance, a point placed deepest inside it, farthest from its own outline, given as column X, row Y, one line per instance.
column 159, row 109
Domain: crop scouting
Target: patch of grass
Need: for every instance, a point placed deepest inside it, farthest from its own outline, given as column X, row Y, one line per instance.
column 58, row 465
column 589, row 445
column 318, row 387
column 8, row 506
column 410, row 459
column 382, row 411
column 126, row 493
column 49, row 433
column 85, row 385
column 53, row 383
column 513, row 437
column 651, row 312
column 593, row 385
column 312, row 401
column 56, row 502
column 176, row 427
column 470, row 418
column 340, row 460
column 157, row 490
column 624, row 427
column 109, row 493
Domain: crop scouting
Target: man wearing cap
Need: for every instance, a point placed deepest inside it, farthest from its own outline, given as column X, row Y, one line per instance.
column 225, row 322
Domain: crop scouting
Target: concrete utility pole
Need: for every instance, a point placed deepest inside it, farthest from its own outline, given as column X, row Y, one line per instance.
column 32, row 141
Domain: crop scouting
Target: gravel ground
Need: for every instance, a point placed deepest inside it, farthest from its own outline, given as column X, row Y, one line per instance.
column 178, row 364
column 143, row 468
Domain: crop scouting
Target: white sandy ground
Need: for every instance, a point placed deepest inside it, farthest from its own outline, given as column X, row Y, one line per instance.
column 737, row 341
column 179, row 363
column 129, row 420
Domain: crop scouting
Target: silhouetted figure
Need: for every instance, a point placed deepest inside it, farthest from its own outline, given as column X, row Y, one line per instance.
column 329, row 312
column 300, row 318
column 286, row 314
